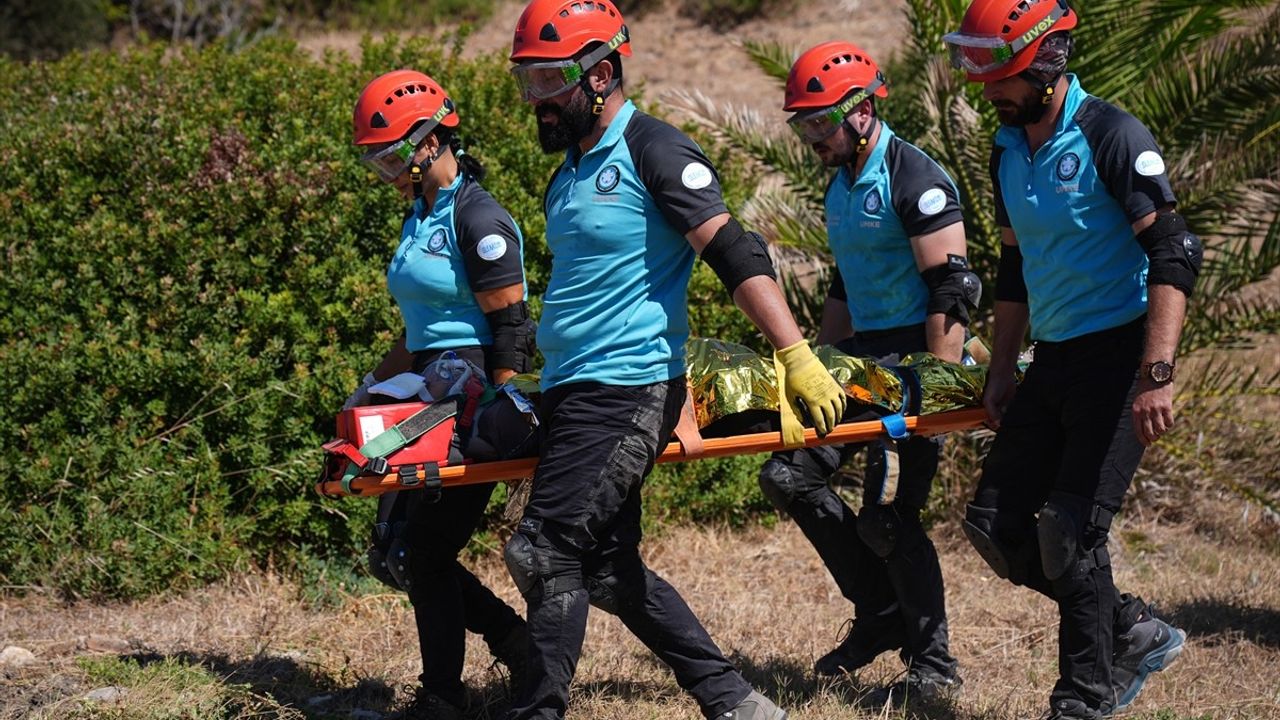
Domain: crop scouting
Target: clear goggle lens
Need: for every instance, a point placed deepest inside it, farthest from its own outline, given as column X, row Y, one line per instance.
column 978, row 53
column 539, row 81
column 391, row 160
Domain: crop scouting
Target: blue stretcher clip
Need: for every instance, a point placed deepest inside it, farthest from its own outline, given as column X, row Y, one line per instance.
column 895, row 426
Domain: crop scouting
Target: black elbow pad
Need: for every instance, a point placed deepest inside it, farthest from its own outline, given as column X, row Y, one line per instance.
column 513, row 337
column 1173, row 252
column 737, row 255
column 954, row 289
column 1010, row 285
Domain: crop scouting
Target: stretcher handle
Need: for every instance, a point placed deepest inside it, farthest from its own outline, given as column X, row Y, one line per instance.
column 478, row 473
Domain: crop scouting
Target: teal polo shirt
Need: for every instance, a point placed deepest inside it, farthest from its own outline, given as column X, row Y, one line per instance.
column 1071, row 206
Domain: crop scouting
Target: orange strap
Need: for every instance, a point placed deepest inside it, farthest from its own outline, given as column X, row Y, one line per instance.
column 687, row 429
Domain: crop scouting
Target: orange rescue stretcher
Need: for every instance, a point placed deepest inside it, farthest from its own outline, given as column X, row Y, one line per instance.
column 688, row 446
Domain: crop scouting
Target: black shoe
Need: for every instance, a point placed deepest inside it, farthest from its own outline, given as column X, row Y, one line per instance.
column 755, row 707
column 429, row 706
column 917, row 686
column 1070, row 710
column 1151, row 645
column 866, row 639
column 513, row 651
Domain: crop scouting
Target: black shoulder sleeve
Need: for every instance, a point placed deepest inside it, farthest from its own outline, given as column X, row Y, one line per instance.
column 1002, row 215
column 1126, row 157
column 487, row 238
column 923, row 195
column 674, row 169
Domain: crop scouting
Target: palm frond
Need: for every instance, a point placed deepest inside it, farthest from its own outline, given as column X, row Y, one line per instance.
column 773, row 58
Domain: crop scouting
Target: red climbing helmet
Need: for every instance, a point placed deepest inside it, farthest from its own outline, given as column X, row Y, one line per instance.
column 551, row 33
column 827, row 82
column 388, row 109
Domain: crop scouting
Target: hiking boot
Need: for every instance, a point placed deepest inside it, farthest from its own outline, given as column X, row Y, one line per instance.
column 1151, row 645
column 755, row 707
column 917, row 686
column 513, row 651
column 1068, row 709
column 429, row 706
column 866, row 639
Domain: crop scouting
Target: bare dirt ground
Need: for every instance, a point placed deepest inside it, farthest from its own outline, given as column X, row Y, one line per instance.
column 762, row 593
column 671, row 52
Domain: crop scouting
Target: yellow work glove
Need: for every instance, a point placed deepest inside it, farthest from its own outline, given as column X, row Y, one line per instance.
column 801, row 376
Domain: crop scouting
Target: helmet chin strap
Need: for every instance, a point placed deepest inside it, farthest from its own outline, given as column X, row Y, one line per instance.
column 597, row 98
column 862, row 140
column 417, row 170
column 1046, row 89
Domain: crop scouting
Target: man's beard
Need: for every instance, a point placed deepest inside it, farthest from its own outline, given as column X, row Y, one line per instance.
column 1021, row 114
column 575, row 121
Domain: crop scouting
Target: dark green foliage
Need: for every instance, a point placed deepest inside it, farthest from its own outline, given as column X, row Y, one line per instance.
column 194, row 282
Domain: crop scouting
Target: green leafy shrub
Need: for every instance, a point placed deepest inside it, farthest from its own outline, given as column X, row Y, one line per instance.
column 194, row 281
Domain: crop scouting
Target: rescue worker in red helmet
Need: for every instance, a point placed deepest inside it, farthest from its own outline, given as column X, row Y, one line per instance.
column 458, row 278
column 902, row 284
column 632, row 206
column 1096, row 260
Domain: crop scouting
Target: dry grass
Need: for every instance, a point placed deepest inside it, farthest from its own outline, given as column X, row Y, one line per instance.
column 257, row 651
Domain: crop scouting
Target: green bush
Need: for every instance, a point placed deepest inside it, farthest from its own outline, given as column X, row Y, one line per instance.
column 194, row 282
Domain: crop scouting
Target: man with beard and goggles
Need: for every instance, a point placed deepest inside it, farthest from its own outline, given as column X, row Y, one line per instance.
column 902, row 285
column 633, row 205
column 1095, row 258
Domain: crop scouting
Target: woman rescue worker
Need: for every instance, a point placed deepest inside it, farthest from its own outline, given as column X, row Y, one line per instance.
column 458, row 279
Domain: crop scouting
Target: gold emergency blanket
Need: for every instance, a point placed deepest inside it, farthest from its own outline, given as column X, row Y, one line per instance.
column 728, row 378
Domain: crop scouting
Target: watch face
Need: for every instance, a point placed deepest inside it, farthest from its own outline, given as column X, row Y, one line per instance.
column 1161, row 371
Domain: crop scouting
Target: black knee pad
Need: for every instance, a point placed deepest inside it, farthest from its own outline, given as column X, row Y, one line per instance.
column 1073, row 536
column 398, row 561
column 980, row 528
column 538, row 568
column 777, row 483
column 879, row 527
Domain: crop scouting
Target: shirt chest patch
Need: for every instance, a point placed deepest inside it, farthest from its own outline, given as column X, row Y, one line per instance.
column 1067, row 171
column 607, row 179
column 436, row 243
column 872, row 204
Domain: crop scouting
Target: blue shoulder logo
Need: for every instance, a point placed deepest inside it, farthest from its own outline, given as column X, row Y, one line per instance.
column 608, row 178
column 1068, row 166
column 871, row 203
column 436, row 242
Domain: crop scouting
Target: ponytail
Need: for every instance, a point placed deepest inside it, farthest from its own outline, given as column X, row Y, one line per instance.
column 467, row 163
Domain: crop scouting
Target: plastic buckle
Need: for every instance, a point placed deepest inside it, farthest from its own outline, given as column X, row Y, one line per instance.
column 408, row 476
column 432, row 485
column 377, row 466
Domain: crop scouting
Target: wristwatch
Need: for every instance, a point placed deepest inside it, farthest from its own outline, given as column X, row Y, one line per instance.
column 1159, row 371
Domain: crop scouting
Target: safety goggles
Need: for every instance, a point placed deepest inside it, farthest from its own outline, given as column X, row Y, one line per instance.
column 390, row 161
column 542, row 80
column 980, row 54
column 818, row 125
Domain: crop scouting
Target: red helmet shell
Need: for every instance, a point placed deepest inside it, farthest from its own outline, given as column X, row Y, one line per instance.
column 560, row 29
column 825, row 74
column 1009, row 20
column 392, row 103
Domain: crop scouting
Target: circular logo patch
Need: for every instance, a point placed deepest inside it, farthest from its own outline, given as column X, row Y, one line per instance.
column 871, row 203
column 1068, row 166
column 932, row 201
column 696, row 176
column 1149, row 164
column 492, row 247
column 436, row 242
column 608, row 178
